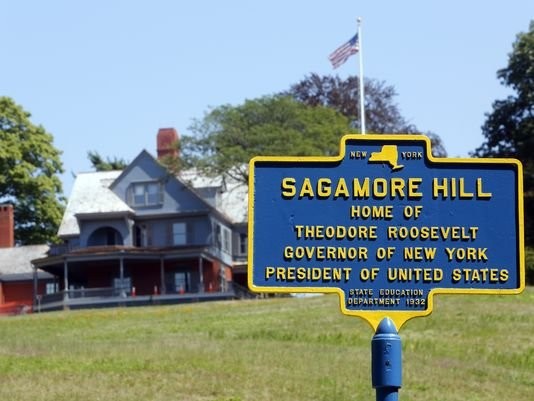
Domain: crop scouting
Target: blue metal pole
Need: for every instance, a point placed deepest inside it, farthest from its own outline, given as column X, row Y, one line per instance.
column 386, row 361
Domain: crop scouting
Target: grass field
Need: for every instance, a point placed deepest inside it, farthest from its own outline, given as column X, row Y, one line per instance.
column 470, row 348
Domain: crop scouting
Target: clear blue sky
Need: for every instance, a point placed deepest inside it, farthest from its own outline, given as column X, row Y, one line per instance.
column 105, row 75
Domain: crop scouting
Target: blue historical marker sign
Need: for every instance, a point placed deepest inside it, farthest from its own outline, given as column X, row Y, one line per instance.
column 386, row 226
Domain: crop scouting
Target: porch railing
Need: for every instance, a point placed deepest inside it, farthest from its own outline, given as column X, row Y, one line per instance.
column 60, row 249
column 93, row 297
column 106, row 292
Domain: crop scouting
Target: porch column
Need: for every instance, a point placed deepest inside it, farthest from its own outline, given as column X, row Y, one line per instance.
column 65, row 280
column 222, row 274
column 162, row 289
column 121, row 276
column 121, row 269
column 201, row 273
column 35, row 286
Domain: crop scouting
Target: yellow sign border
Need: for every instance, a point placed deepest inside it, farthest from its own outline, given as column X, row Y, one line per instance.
column 374, row 317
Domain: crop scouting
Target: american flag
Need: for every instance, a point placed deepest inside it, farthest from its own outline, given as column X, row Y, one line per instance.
column 343, row 52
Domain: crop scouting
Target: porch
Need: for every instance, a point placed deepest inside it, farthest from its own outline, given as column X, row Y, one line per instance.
column 129, row 276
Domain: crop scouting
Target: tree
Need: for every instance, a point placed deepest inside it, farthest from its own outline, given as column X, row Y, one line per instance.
column 509, row 128
column 381, row 112
column 99, row 164
column 229, row 136
column 29, row 168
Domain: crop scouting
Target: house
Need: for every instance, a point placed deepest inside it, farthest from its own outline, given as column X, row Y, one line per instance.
column 144, row 235
column 17, row 284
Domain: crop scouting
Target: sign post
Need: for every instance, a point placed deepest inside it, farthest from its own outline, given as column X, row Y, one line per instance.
column 386, row 226
column 386, row 361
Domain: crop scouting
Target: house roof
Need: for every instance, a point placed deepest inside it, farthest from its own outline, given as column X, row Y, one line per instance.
column 17, row 260
column 91, row 195
column 233, row 194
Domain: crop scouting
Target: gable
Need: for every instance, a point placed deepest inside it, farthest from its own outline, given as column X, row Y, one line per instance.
column 148, row 188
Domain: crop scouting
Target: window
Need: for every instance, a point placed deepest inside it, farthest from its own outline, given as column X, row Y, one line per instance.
column 182, row 282
column 146, row 194
column 223, row 237
column 139, row 238
column 243, row 242
column 123, row 285
column 153, row 193
column 179, row 234
column 178, row 282
column 52, row 288
column 227, row 240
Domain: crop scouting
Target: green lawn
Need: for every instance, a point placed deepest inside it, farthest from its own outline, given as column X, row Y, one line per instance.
column 470, row 348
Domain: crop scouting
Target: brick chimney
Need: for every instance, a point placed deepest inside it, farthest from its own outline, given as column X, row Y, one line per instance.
column 7, row 226
column 167, row 140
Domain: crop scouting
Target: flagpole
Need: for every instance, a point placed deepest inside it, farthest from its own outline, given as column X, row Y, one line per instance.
column 362, row 96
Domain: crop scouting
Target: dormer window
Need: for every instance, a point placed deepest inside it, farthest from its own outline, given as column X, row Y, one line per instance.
column 146, row 194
